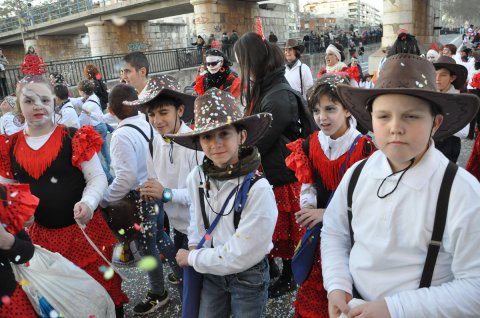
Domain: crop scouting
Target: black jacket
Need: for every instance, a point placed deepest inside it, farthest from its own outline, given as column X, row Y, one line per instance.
column 21, row 252
column 284, row 128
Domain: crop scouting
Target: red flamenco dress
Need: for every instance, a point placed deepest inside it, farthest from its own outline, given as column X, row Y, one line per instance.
column 312, row 166
column 55, row 177
column 224, row 79
column 473, row 164
column 17, row 205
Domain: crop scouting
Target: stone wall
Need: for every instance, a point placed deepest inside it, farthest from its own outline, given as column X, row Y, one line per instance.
column 161, row 36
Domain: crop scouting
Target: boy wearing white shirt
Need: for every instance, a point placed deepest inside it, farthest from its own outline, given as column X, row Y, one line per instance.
column 130, row 148
column 380, row 248
column 66, row 114
column 7, row 121
column 165, row 105
column 233, row 258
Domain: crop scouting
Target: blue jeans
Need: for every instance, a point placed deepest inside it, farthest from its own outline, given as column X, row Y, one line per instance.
column 102, row 130
column 153, row 240
column 244, row 295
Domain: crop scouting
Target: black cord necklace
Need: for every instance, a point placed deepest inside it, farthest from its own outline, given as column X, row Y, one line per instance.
column 398, row 181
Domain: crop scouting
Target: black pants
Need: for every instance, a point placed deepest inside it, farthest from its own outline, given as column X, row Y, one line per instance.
column 450, row 147
column 180, row 240
column 3, row 83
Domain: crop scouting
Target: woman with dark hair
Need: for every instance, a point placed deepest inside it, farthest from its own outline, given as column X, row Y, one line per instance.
column 298, row 75
column 91, row 72
column 265, row 89
column 218, row 75
column 405, row 43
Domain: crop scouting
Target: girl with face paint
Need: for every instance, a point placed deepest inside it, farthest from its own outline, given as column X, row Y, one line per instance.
column 63, row 170
column 218, row 75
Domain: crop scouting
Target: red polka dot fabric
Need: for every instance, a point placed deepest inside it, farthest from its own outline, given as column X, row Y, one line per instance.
column 287, row 233
column 18, row 307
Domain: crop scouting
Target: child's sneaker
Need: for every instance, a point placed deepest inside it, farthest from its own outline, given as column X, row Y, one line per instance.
column 173, row 279
column 151, row 303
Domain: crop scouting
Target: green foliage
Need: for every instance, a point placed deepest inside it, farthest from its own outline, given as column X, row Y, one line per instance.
column 459, row 11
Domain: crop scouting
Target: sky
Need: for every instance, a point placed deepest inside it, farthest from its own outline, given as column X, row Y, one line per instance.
column 376, row 3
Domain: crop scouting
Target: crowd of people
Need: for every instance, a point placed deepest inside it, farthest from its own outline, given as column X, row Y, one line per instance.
column 341, row 186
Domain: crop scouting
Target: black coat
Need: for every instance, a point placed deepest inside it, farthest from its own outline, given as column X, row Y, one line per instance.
column 21, row 252
column 284, row 128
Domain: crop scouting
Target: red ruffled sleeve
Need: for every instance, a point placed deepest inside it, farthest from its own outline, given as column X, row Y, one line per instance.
column 235, row 88
column 475, row 81
column 473, row 164
column 198, row 87
column 85, row 143
column 299, row 162
column 20, row 208
column 5, row 165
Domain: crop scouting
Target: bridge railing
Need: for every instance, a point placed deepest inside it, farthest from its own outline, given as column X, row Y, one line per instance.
column 110, row 65
column 45, row 12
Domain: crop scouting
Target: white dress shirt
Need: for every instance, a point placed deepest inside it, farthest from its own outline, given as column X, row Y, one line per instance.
column 293, row 77
column 174, row 175
column 234, row 251
column 128, row 149
column 92, row 105
column 392, row 237
column 68, row 116
column 96, row 181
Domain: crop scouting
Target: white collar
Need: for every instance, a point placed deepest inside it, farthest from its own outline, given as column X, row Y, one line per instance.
column 334, row 148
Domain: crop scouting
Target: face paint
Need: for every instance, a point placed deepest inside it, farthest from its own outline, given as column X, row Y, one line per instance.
column 36, row 103
column 214, row 63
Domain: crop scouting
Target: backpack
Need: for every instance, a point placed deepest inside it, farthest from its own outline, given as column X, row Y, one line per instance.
column 101, row 91
column 306, row 122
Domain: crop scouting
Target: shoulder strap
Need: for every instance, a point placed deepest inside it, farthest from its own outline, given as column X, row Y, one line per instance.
column 301, row 79
column 351, row 188
column 438, row 224
column 242, row 197
column 201, row 193
column 93, row 101
column 150, row 141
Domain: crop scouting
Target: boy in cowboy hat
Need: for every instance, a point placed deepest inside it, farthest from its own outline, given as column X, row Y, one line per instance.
column 168, row 167
column 379, row 248
column 233, row 258
column 298, row 75
column 450, row 78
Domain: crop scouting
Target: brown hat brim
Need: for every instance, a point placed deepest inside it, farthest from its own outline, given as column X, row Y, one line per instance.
column 458, row 70
column 187, row 100
column 458, row 109
column 255, row 125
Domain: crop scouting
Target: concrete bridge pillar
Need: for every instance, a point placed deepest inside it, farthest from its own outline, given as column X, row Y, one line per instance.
column 218, row 16
column 107, row 38
column 418, row 17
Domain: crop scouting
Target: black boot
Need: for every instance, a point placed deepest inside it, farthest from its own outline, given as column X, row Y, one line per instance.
column 274, row 270
column 285, row 283
column 119, row 311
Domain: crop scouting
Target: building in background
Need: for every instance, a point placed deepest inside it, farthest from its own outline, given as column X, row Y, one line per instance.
column 358, row 13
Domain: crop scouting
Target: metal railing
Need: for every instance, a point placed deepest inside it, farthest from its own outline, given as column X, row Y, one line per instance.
column 110, row 65
column 46, row 12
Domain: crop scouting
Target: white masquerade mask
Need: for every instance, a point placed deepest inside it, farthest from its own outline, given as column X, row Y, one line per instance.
column 214, row 63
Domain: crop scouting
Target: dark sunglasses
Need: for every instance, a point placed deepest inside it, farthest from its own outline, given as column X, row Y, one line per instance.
column 212, row 63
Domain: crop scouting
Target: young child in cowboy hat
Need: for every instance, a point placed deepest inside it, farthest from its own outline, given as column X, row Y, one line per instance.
column 167, row 109
column 382, row 250
column 298, row 75
column 450, row 78
column 233, row 258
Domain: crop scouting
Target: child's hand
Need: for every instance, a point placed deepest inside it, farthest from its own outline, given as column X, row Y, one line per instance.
column 182, row 257
column 308, row 218
column 338, row 303
column 152, row 189
column 371, row 309
column 82, row 213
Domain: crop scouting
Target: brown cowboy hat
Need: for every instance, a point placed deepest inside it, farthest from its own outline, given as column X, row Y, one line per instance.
column 218, row 109
column 458, row 70
column 167, row 86
column 410, row 74
column 293, row 43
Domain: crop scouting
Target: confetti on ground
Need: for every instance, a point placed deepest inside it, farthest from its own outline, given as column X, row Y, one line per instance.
column 121, row 231
column 5, row 300
column 147, row 263
column 108, row 273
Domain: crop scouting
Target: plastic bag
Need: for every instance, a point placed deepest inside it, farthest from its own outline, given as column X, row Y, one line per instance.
column 67, row 288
